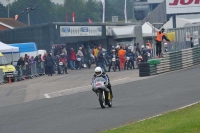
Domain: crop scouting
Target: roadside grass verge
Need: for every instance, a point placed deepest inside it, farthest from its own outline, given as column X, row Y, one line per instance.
column 185, row 120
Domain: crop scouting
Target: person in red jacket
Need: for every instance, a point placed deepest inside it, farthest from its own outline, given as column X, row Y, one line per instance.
column 72, row 58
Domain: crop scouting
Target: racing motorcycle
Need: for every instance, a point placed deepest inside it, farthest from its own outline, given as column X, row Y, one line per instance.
column 99, row 87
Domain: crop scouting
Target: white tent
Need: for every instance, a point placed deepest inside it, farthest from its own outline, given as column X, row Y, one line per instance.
column 180, row 22
column 11, row 53
column 149, row 30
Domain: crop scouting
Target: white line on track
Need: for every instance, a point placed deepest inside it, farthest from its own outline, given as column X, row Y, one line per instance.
column 47, row 95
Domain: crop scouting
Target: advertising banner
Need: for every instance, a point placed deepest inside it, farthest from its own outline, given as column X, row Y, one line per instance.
column 196, row 37
column 182, row 6
column 68, row 31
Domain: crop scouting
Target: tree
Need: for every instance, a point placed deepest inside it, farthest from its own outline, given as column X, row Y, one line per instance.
column 93, row 11
column 44, row 11
column 76, row 6
column 3, row 11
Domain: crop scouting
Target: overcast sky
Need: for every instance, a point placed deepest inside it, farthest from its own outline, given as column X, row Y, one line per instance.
column 4, row 2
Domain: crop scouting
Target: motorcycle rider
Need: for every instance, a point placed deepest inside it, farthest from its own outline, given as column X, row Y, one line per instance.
column 117, row 61
column 144, row 54
column 131, row 60
column 63, row 59
column 99, row 73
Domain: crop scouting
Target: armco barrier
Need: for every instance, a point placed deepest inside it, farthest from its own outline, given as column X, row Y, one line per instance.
column 1, row 76
column 177, row 60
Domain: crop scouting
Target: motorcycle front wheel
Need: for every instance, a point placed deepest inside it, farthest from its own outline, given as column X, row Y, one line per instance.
column 61, row 69
column 114, row 66
column 102, row 99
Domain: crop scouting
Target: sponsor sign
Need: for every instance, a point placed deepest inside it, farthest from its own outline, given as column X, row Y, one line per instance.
column 195, row 37
column 182, row 6
column 114, row 19
column 68, row 31
column 187, row 36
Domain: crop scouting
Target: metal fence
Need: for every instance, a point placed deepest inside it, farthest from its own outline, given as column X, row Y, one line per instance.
column 30, row 70
column 1, row 76
column 182, row 38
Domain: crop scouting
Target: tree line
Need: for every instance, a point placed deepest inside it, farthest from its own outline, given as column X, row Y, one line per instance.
column 47, row 11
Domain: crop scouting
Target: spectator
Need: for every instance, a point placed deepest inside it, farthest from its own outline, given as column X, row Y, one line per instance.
column 49, row 62
column 137, row 49
column 44, row 57
column 84, row 51
column 26, row 59
column 80, row 54
column 38, row 59
column 30, row 63
column 96, row 51
column 126, row 48
column 121, row 54
column 20, row 62
column 191, row 42
column 72, row 58
column 64, row 50
column 101, row 59
column 20, row 65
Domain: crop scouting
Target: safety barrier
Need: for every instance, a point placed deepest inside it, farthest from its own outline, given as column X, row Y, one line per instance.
column 31, row 70
column 180, row 37
column 1, row 76
column 176, row 60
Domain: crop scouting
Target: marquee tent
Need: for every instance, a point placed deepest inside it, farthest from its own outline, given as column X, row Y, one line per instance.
column 11, row 53
column 149, row 30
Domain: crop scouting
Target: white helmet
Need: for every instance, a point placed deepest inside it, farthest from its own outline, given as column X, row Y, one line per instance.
column 98, row 71
column 142, row 46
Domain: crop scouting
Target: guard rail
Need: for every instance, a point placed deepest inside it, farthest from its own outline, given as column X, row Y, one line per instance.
column 175, row 61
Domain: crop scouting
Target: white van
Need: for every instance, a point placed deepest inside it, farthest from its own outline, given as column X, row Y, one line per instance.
column 42, row 52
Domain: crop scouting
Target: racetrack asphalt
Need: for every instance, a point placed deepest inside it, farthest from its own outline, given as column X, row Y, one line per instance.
column 81, row 112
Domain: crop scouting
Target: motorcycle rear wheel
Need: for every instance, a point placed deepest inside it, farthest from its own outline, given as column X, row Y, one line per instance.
column 102, row 99
column 114, row 66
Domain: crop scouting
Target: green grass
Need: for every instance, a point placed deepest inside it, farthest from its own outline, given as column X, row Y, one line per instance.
column 181, row 121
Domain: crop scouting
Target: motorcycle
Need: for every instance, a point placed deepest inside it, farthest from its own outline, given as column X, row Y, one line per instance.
column 127, row 63
column 166, row 47
column 99, row 87
column 78, row 63
column 61, row 66
column 139, row 59
column 148, row 51
column 92, row 58
column 114, row 62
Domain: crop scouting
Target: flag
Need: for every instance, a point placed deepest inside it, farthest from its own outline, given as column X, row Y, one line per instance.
column 66, row 17
column 73, row 17
column 103, row 5
column 89, row 20
column 125, row 13
column 16, row 17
